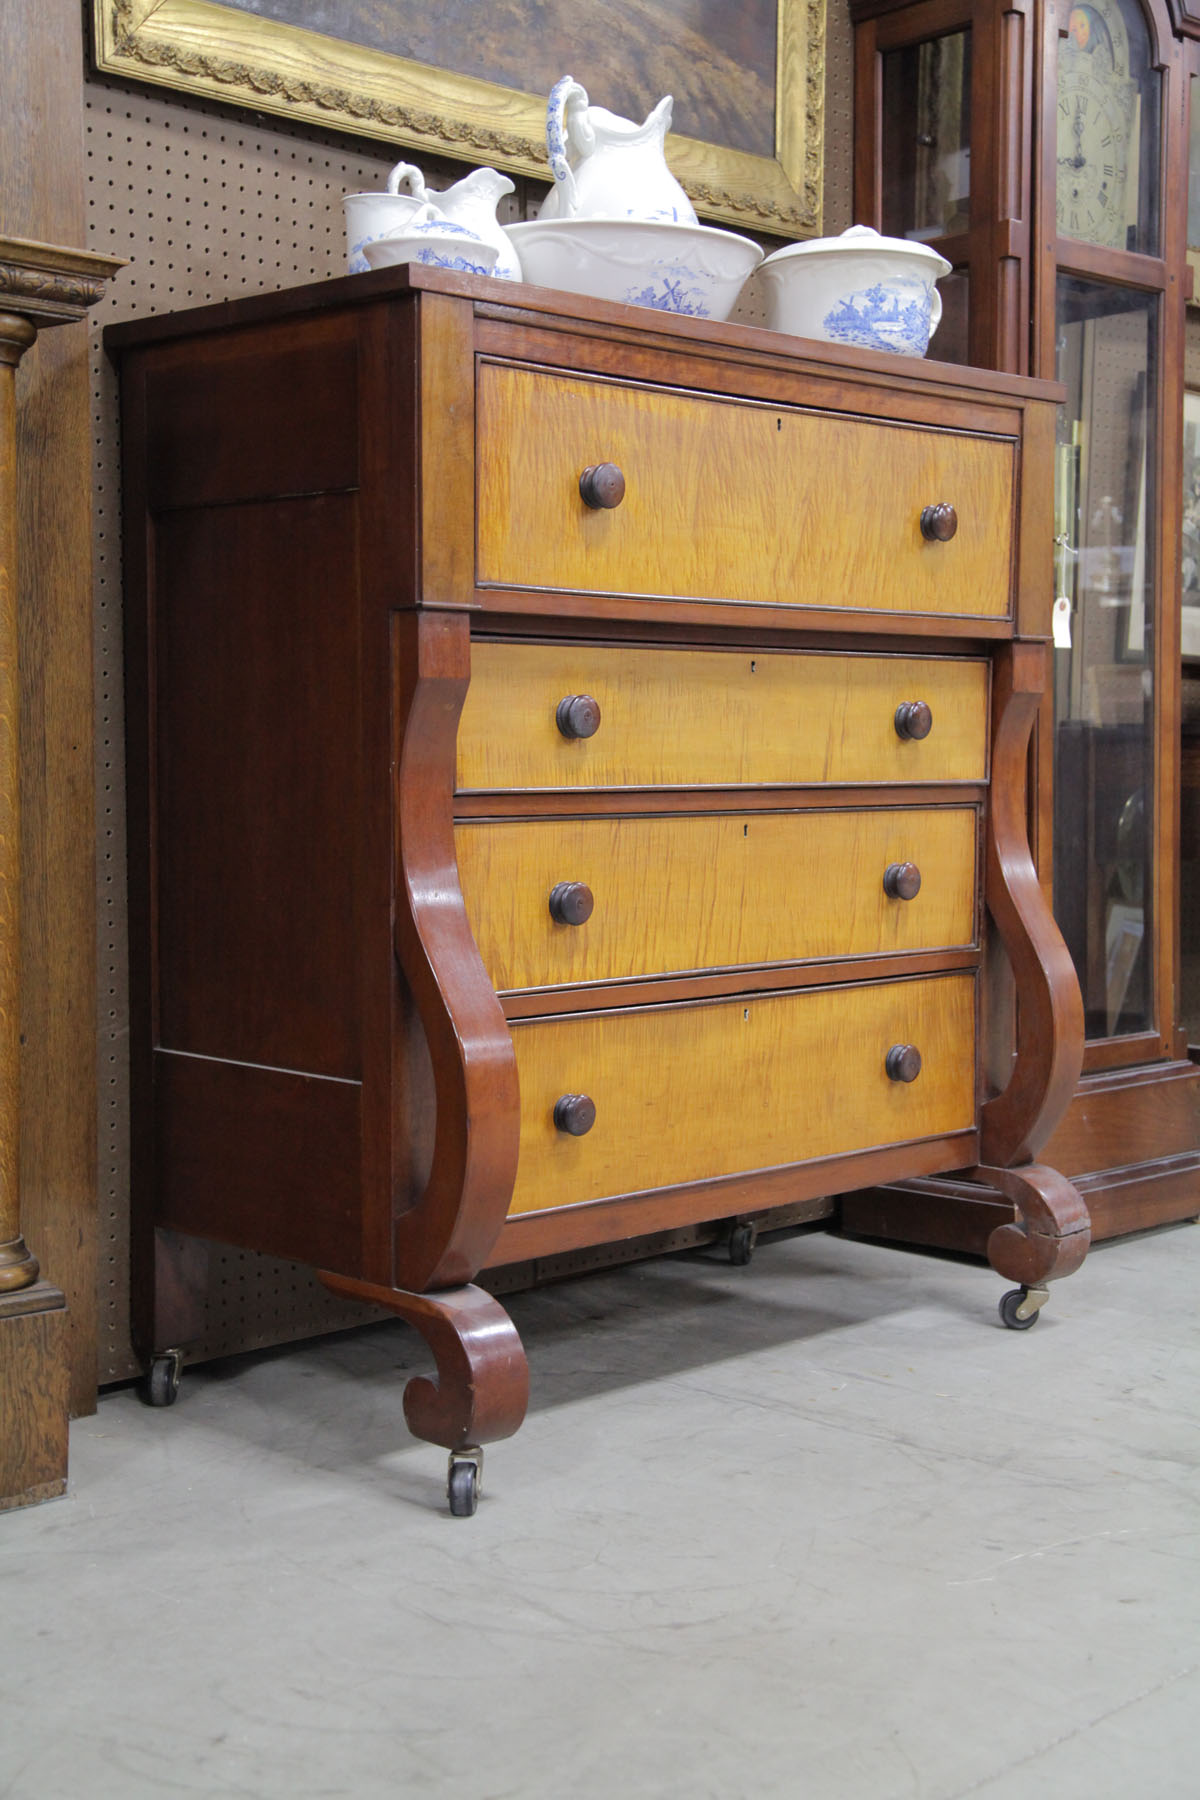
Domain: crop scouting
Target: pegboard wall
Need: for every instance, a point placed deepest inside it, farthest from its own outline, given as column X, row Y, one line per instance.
column 206, row 205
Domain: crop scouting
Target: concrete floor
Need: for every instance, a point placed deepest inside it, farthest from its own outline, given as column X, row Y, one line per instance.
column 819, row 1527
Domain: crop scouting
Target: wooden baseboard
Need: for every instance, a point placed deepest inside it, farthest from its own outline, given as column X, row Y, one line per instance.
column 941, row 1213
column 1141, row 1196
column 1123, row 1119
column 1129, row 1140
column 34, row 1386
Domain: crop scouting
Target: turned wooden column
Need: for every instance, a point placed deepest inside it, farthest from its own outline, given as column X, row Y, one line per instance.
column 41, row 285
column 18, row 1267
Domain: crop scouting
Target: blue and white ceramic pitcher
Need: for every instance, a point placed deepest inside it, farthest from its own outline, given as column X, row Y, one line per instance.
column 605, row 167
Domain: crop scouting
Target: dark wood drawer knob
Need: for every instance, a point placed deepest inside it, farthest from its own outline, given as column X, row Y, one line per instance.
column 571, row 903
column 602, row 486
column 913, row 719
column 903, row 1062
column 939, row 523
column 578, row 716
column 902, row 881
column 575, row 1113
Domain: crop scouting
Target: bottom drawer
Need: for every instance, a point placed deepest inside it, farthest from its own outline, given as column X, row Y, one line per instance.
column 688, row 1093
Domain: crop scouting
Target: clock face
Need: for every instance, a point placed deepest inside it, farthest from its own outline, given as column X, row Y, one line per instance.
column 1097, row 117
column 1094, row 120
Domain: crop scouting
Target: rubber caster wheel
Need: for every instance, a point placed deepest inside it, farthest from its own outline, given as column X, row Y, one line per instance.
column 462, row 1488
column 161, row 1386
column 742, row 1239
column 1009, row 1305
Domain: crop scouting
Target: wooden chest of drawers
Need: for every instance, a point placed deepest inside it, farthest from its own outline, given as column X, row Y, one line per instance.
column 577, row 791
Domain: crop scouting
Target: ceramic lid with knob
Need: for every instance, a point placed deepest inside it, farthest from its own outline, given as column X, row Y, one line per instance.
column 865, row 238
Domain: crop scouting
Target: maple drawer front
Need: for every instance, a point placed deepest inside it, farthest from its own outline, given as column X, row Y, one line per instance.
column 559, row 901
column 710, row 718
column 735, row 501
column 693, row 1092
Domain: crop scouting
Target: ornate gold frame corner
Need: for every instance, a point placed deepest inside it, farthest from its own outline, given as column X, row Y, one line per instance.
column 217, row 51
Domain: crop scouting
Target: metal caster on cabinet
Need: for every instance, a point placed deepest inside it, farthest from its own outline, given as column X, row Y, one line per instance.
column 464, row 1483
column 741, row 1242
column 1019, row 1308
column 161, row 1384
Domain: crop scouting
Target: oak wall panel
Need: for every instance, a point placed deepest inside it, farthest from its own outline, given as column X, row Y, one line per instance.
column 42, row 197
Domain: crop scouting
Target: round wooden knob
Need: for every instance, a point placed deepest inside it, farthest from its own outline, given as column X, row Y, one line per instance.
column 575, row 1113
column 913, row 719
column 602, row 486
column 939, row 523
column 578, row 716
column 902, row 881
column 571, row 903
column 903, row 1062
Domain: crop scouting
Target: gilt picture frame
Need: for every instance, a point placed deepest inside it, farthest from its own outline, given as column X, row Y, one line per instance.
column 258, row 55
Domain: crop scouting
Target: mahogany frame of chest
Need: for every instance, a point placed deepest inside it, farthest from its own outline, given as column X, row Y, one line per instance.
column 322, row 1067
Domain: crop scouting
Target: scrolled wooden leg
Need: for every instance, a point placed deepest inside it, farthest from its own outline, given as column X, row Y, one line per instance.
column 1052, row 1233
column 482, row 1388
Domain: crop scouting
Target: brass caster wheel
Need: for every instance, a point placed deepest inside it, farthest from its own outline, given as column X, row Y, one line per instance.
column 161, row 1385
column 1020, row 1307
column 742, row 1239
column 465, row 1481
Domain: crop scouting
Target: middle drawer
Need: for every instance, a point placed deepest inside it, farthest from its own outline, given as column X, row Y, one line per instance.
column 676, row 893
column 669, row 717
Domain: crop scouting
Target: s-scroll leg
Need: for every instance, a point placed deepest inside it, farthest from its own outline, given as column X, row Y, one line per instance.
column 1047, row 1240
column 482, row 1387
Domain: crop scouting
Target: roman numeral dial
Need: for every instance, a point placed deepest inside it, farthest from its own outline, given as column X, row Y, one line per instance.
column 1096, row 127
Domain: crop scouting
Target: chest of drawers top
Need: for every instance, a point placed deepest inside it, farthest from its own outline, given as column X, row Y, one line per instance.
column 767, row 482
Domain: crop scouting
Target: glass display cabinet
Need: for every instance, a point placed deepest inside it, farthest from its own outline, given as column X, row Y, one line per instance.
column 1043, row 150
column 940, row 113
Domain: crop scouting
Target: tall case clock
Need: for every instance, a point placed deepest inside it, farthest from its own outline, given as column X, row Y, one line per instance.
column 1042, row 148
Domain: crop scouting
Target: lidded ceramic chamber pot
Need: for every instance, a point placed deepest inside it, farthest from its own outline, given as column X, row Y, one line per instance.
column 877, row 293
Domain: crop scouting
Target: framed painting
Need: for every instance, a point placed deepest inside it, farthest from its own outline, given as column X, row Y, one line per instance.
column 469, row 79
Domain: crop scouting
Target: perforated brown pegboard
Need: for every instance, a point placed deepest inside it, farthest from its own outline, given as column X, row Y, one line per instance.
column 206, row 205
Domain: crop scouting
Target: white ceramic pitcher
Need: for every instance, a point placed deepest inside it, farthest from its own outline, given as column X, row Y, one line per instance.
column 605, row 167
column 471, row 203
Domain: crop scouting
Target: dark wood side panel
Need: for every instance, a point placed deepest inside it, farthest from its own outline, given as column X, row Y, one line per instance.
column 296, row 403
column 259, row 1157
column 259, row 796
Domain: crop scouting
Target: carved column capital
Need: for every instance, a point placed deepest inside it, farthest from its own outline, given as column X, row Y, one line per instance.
column 49, row 285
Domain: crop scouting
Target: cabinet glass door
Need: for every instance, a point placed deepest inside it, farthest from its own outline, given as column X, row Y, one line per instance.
column 925, row 164
column 1105, row 506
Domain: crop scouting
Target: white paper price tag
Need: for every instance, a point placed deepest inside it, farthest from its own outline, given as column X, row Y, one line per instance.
column 1061, row 623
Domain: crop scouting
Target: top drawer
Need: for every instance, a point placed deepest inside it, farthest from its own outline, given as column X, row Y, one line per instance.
column 735, row 501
